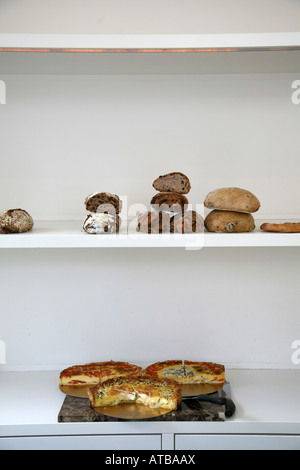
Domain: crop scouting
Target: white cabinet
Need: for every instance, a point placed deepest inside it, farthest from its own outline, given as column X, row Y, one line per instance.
column 236, row 442
column 93, row 103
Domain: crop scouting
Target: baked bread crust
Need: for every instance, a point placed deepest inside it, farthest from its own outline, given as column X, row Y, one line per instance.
column 143, row 389
column 286, row 227
column 229, row 222
column 153, row 222
column 96, row 372
column 174, row 182
column 232, row 199
column 106, row 203
column 187, row 222
column 169, row 202
column 188, row 372
column 15, row 221
column 101, row 223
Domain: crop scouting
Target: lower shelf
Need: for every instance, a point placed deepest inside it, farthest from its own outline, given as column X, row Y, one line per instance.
column 69, row 234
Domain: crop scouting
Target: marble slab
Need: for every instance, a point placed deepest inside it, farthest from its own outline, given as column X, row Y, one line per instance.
column 76, row 409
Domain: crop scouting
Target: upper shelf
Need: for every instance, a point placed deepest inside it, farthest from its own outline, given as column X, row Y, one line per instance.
column 69, row 234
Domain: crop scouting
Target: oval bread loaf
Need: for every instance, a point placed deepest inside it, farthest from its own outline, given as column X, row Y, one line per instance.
column 229, row 221
column 286, row 227
column 175, row 182
column 106, row 203
column 15, row 221
column 170, row 202
column 232, row 199
column 101, row 223
column 153, row 222
column 187, row 222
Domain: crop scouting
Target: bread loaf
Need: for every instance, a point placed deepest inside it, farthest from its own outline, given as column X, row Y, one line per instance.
column 153, row 222
column 172, row 202
column 286, row 227
column 232, row 199
column 106, row 203
column 187, row 222
column 15, row 221
column 175, row 182
column 229, row 221
column 101, row 223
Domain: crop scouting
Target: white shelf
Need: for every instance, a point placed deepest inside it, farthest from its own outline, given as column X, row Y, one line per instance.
column 69, row 234
column 149, row 42
column 266, row 402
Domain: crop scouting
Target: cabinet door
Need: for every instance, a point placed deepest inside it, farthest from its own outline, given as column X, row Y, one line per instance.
column 236, row 442
column 113, row 442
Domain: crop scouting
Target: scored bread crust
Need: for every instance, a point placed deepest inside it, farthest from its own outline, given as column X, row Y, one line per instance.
column 175, row 182
column 286, row 227
column 144, row 389
column 104, row 202
column 15, row 221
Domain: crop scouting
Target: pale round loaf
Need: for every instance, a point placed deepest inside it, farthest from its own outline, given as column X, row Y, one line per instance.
column 229, row 222
column 232, row 199
column 15, row 221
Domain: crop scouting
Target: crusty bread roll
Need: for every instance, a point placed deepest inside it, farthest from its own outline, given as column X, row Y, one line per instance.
column 175, row 182
column 153, row 222
column 232, row 199
column 106, row 203
column 170, row 202
column 187, row 222
column 101, row 223
column 229, row 221
column 286, row 227
column 15, row 221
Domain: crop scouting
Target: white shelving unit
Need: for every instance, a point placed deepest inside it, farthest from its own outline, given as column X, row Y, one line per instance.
column 94, row 102
column 69, row 234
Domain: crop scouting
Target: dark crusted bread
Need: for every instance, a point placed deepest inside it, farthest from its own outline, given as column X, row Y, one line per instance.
column 175, row 182
column 15, row 221
column 101, row 223
column 106, row 203
column 170, row 202
column 229, row 221
column 187, row 222
column 153, row 222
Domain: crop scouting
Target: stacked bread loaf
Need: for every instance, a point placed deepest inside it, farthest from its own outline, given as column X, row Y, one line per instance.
column 232, row 210
column 104, row 215
column 169, row 207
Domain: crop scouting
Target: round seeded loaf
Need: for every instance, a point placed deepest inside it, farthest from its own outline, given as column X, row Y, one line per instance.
column 232, row 199
column 15, row 221
column 229, row 221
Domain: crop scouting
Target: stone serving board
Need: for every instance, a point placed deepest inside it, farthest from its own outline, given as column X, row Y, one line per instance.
column 78, row 410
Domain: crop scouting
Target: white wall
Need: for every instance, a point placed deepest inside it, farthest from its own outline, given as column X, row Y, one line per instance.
column 236, row 306
column 76, row 135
